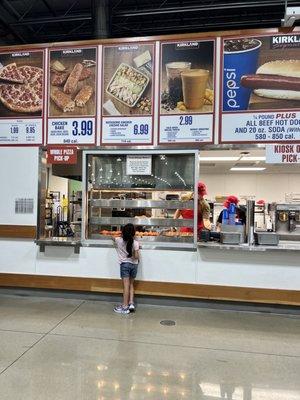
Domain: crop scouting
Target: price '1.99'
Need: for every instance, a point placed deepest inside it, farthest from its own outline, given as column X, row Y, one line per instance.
column 14, row 129
column 142, row 129
column 82, row 128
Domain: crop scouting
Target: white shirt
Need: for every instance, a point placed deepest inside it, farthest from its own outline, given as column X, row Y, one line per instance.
column 122, row 252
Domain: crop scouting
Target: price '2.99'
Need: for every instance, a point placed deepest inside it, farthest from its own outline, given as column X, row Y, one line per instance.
column 83, row 128
column 186, row 120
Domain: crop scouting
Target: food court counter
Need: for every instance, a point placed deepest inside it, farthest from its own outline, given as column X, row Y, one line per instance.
column 283, row 246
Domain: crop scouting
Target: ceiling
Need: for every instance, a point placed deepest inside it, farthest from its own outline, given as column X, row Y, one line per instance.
column 37, row 21
column 218, row 162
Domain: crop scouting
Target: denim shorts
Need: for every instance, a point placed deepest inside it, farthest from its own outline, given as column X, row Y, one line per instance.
column 128, row 270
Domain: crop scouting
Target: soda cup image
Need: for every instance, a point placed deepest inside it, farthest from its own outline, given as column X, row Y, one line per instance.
column 240, row 58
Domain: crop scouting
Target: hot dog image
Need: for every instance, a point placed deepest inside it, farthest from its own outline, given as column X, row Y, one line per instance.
column 278, row 79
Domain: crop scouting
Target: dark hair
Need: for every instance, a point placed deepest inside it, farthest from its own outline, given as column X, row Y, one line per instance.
column 128, row 232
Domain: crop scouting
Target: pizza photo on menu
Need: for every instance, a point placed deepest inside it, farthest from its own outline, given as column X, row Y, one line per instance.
column 72, row 86
column 21, row 84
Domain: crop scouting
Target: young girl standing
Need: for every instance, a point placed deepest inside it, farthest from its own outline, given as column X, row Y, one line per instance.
column 128, row 254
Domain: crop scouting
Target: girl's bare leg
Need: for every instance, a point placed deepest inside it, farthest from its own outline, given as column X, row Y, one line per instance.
column 126, row 289
column 131, row 291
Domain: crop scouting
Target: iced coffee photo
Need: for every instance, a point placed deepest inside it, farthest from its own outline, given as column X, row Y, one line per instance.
column 186, row 81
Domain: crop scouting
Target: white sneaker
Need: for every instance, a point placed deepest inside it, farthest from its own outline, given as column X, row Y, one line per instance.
column 121, row 310
column 131, row 307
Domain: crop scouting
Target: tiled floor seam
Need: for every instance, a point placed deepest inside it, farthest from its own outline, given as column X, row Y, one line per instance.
column 18, row 331
column 178, row 346
column 41, row 338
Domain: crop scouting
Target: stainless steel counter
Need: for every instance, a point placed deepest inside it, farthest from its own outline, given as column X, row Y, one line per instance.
column 282, row 246
column 182, row 246
column 59, row 241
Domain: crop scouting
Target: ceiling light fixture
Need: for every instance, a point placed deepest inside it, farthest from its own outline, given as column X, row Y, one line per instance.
column 219, row 158
column 233, row 158
column 247, row 169
column 247, row 158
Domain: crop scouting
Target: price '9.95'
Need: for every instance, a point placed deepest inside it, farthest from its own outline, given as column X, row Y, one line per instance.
column 82, row 128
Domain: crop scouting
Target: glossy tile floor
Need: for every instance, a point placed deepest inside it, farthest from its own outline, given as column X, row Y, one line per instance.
column 64, row 349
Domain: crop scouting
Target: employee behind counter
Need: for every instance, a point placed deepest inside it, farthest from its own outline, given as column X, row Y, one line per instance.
column 240, row 216
column 203, row 210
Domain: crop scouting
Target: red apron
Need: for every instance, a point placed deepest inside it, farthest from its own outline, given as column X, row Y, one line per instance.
column 189, row 214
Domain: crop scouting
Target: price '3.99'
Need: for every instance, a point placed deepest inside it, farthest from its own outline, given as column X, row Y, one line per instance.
column 83, row 128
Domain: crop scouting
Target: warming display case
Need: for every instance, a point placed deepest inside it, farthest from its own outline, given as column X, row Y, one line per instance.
column 144, row 188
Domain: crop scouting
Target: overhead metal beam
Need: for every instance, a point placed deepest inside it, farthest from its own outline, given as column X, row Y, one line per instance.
column 194, row 8
column 197, row 28
column 52, row 20
column 49, row 8
column 101, row 18
column 11, row 30
column 64, row 37
column 29, row 8
column 6, row 19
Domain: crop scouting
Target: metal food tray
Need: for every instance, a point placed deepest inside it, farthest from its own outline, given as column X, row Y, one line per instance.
column 166, row 222
column 155, row 239
column 142, row 203
column 267, row 238
column 230, row 238
column 113, row 77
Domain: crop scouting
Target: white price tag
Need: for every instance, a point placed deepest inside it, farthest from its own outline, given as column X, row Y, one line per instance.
column 123, row 130
column 262, row 127
column 71, row 131
column 138, row 165
column 186, row 128
column 21, row 131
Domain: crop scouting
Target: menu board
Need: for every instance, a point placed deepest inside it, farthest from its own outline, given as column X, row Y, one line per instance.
column 260, row 89
column 21, row 97
column 122, row 93
column 72, row 95
column 187, row 84
column 127, row 94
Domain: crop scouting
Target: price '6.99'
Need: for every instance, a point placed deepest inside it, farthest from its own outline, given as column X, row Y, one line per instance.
column 82, row 128
column 142, row 129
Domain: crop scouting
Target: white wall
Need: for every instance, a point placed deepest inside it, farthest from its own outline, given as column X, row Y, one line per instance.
column 270, row 269
column 58, row 184
column 18, row 179
column 264, row 186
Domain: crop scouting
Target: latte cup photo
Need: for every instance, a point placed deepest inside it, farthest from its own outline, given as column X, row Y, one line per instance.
column 240, row 58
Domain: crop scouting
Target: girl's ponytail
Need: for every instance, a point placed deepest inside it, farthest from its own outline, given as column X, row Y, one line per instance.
column 128, row 233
